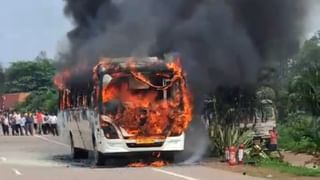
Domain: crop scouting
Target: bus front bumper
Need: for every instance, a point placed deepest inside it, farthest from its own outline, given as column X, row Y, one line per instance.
column 109, row 146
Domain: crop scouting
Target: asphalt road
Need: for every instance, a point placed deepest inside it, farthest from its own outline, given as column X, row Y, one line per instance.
column 46, row 158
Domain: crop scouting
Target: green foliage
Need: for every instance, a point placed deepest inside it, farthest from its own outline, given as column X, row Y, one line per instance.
column 266, row 93
column 2, row 79
column 300, row 129
column 304, row 86
column 282, row 103
column 35, row 77
column 46, row 101
column 284, row 167
column 223, row 136
column 27, row 76
column 301, row 133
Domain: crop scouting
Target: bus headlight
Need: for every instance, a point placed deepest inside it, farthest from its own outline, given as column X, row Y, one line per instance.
column 110, row 131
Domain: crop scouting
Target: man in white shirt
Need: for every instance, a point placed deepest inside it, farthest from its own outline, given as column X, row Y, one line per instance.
column 6, row 125
column 53, row 124
column 18, row 123
column 4, row 119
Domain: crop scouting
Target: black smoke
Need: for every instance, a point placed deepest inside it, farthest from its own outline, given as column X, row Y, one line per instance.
column 222, row 42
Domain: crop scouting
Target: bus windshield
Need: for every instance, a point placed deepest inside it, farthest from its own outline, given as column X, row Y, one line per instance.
column 139, row 108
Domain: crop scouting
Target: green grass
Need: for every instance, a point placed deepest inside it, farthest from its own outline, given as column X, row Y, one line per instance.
column 287, row 168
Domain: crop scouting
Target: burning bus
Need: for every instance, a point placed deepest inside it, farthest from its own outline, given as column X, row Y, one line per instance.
column 123, row 106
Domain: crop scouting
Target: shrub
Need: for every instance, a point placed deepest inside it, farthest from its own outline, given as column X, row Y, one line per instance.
column 223, row 136
column 300, row 134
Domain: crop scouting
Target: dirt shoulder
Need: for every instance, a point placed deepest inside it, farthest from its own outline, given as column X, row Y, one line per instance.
column 249, row 170
column 300, row 159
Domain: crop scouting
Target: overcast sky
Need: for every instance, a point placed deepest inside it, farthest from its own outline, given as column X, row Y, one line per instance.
column 30, row 26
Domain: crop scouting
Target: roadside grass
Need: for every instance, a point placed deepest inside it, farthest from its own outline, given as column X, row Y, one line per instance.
column 287, row 168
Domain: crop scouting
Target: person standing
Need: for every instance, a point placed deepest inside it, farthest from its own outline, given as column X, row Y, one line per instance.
column 29, row 124
column 12, row 123
column 273, row 140
column 15, row 124
column 1, row 121
column 35, row 123
column 40, row 119
column 23, row 124
column 5, row 124
column 53, row 123
column 46, row 124
column 19, row 123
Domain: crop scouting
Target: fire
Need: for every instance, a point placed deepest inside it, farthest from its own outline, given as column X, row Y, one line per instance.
column 156, row 162
column 159, row 164
column 175, row 112
column 138, row 164
column 60, row 79
column 159, row 105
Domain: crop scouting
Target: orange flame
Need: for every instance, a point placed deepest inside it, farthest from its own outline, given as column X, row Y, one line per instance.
column 139, row 164
column 159, row 164
column 161, row 113
column 144, row 114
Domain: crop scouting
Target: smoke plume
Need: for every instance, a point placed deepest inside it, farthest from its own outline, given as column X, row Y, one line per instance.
column 221, row 42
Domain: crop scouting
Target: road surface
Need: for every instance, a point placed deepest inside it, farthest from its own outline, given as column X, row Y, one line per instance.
column 46, row 158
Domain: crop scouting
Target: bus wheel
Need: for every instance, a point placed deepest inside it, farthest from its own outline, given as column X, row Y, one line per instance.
column 77, row 153
column 97, row 158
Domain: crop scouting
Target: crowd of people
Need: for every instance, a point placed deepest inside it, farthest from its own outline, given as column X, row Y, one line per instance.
column 28, row 124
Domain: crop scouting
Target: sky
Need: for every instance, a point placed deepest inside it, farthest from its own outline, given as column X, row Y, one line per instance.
column 30, row 26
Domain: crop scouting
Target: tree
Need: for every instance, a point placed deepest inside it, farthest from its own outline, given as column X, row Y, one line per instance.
column 35, row 77
column 304, row 96
column 304, row 86
column 27, row 76
column 46, row 101
column 2, row 79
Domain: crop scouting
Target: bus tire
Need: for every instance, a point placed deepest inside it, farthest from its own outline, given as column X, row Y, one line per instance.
column 77, row 153
column 97, row 158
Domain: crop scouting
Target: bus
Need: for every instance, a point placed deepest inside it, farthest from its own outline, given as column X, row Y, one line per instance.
column 124, row 106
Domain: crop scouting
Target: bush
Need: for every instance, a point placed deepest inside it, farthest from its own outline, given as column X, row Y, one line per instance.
column 300, row 134
column 223, row 136
column 46, row 101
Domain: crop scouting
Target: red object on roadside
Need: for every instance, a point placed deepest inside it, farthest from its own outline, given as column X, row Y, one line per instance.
column 273, row 137
column 241, row 153
column 226, row 153
column 232, row 154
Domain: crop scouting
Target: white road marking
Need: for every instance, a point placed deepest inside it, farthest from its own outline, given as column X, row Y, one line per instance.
column 52, row 141
column 16, row 172
column 3, row 159
column 174, row 174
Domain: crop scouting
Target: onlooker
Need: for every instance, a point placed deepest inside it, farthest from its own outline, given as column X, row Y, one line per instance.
column 15, row 123
column 4, row 119
column 12, row 123
column 29, row 124
column 273, row 140
column 1, row 120
column 53, row 124
column 23, row 124
column 35, row 123
column 19, row 122
column 40, row 119
column 46, row 125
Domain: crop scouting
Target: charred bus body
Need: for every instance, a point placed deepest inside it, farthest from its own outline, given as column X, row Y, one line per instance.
column 127, row 105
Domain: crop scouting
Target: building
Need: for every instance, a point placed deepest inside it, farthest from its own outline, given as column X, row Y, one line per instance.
column 10, row 101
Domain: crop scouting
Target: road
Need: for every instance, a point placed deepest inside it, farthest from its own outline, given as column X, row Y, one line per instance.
column 46, row 158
